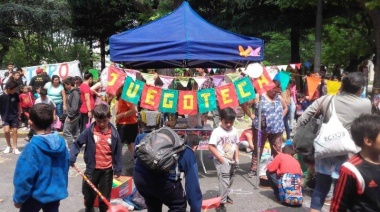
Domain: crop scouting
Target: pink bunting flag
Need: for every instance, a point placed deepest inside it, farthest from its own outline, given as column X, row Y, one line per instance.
column 217, row 80
column 167, row 80
column 293, row 66
column 200, row 80
column 131, row 73
column 298, row 65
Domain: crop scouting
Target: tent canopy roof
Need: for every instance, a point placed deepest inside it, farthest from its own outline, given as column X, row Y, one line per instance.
column 183, row 39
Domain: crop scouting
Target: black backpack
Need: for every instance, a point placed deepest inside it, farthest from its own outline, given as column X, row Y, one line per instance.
column 159, row 150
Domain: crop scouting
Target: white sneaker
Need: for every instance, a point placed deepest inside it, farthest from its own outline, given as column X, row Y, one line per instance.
column 7, row 150
column 16, row 152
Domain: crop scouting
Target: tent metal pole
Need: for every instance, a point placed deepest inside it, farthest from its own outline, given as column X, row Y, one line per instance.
column 258, row 145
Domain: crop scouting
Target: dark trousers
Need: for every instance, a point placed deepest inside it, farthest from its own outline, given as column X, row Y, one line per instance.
column 83, row 120
column 102, row 179
column 157, row 192
column 32, row 205
column 273, row 181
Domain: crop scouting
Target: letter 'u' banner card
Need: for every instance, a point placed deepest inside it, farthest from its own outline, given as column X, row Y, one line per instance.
column 169, row 101
column 150, row 98
column 116, row 78
column 264, row 83
column 206, row 100
column 132, row 90
column 244, row 90
column 187, row 103
column 226, row 96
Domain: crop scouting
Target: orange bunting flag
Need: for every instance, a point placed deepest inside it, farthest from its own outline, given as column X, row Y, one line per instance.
column 312, row 85
column 150, row 98
column 264, row 83
column 187, row 103
column 116, row 79
column 226, row 96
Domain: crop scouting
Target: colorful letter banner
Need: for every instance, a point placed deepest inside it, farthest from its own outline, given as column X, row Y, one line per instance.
column 244, row 90
column 116, row 78
column 206, row 100
column 264, row 83
column 169, row 101
column 150, row 98
column 227, row 96
column 187, row 103
column 132, row 90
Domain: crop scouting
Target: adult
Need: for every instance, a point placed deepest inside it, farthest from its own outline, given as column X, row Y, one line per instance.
column 348, row 106
column 88, row 103
column 38, row 81
column 10, row 70
column 23, row 80
column 273, row 109
column 57, row 93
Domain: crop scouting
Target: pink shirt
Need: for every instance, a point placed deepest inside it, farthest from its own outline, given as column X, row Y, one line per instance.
column 293, row 93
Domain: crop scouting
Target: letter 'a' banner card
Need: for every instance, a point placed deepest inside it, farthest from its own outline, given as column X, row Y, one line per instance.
column 244, row 90
column 227, row 96
column 132, row 90
column 264, row 83
column 150, row 98
column 169, row 101
column 206, row 100
column 187, row 104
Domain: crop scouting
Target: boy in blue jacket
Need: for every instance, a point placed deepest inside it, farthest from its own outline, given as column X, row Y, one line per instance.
column 41, row 174
column 102, row 155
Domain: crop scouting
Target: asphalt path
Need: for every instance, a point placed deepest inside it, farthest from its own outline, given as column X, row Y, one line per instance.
column 246, row 196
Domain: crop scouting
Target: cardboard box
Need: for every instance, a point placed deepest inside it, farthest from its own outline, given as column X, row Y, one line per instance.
column 121, row 191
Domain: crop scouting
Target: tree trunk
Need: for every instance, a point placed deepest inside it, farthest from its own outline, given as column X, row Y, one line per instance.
column 295, row 43
column 375, row 15
column 102, row 53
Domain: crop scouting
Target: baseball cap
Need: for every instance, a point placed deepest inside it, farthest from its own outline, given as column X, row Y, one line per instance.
column 39, row 70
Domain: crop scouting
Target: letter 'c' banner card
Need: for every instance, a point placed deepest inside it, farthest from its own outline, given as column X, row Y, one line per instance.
column 132, row 90
column 226, row 96
column 244, row 90
column 187, row 104
column 206, row 100
column 169, row 101
column 150, row 98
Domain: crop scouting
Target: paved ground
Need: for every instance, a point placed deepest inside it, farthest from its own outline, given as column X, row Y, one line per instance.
column 247, row 197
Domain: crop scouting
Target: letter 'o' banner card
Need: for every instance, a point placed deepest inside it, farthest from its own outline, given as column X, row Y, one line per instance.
column 244, row 90
column 206, row 100
column 264, row 83
column 169, row 101
column 132, row 90
column 187, row 103
column 227, row 96
column 116, row 78
column 150, row 98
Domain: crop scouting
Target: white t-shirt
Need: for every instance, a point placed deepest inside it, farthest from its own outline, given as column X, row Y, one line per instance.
column 225, row 141
column 46, row 101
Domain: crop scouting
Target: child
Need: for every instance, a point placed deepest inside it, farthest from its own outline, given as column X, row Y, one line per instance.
column 301, row 105
column 10, row 111
column 103, row 156
column 26, row 102
column 41, row 175
column 284, row 174
column 71, row 126
column 223, row 145
column 246, row 141
column 358, row 187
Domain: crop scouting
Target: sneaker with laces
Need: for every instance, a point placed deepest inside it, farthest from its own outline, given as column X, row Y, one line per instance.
column 7, row 150
column 16, row 152
column 251, row 173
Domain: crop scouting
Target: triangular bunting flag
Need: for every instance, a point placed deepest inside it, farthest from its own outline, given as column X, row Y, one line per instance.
column 282, row 67
column 333, row 87
column 183, row 80
column 312, row 85
column 167, row 80
column 149, row 78
column 234, row 76
column 284, row 78
column 293, row 66
column 200, row 80
column 298, row 65
column 131, row 73
column 217, row 80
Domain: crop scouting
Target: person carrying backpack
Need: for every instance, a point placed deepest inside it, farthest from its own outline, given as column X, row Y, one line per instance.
column 165, row 187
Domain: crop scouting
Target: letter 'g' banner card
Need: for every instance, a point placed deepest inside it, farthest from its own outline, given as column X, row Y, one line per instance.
column 132, row 90
column 206, row 100
column 227, row 96
column 187, row 103
column 244, row 90
column 169, row 101
column 150, row 98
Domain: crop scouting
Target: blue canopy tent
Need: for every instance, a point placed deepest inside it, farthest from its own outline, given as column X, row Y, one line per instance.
column 183, row 39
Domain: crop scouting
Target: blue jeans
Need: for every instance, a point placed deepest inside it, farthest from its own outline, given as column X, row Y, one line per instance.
column 33, row 205
column 273, row 180
column 321, row 190
column 288, row 118
column 59, row 109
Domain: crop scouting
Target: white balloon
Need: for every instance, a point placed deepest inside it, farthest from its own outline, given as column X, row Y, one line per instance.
column 254, row 70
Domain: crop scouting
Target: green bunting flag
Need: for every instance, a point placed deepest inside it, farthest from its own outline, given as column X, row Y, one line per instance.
column 244, row 90
column 169, row 101
column 132, row 90
column 95, row 74
column 284, row 78
column 206, row 100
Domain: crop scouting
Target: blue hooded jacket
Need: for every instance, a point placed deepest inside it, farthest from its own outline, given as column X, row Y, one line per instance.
column 42, row 170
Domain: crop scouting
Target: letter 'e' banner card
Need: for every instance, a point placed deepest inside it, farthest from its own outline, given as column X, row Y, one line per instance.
column 227, row 96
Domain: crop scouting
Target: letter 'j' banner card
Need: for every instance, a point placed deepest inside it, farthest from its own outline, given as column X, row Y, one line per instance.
column 116, row 78
column 226, row 96
column 169, row 101
column 150, row 98
column 132, row 90
column 187, row 104
column 206, row 100
column 244, row 90
column 264, row 83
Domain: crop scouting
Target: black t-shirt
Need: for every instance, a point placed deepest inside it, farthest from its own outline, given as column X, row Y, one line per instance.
column 9, row 106
column 38, row 81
